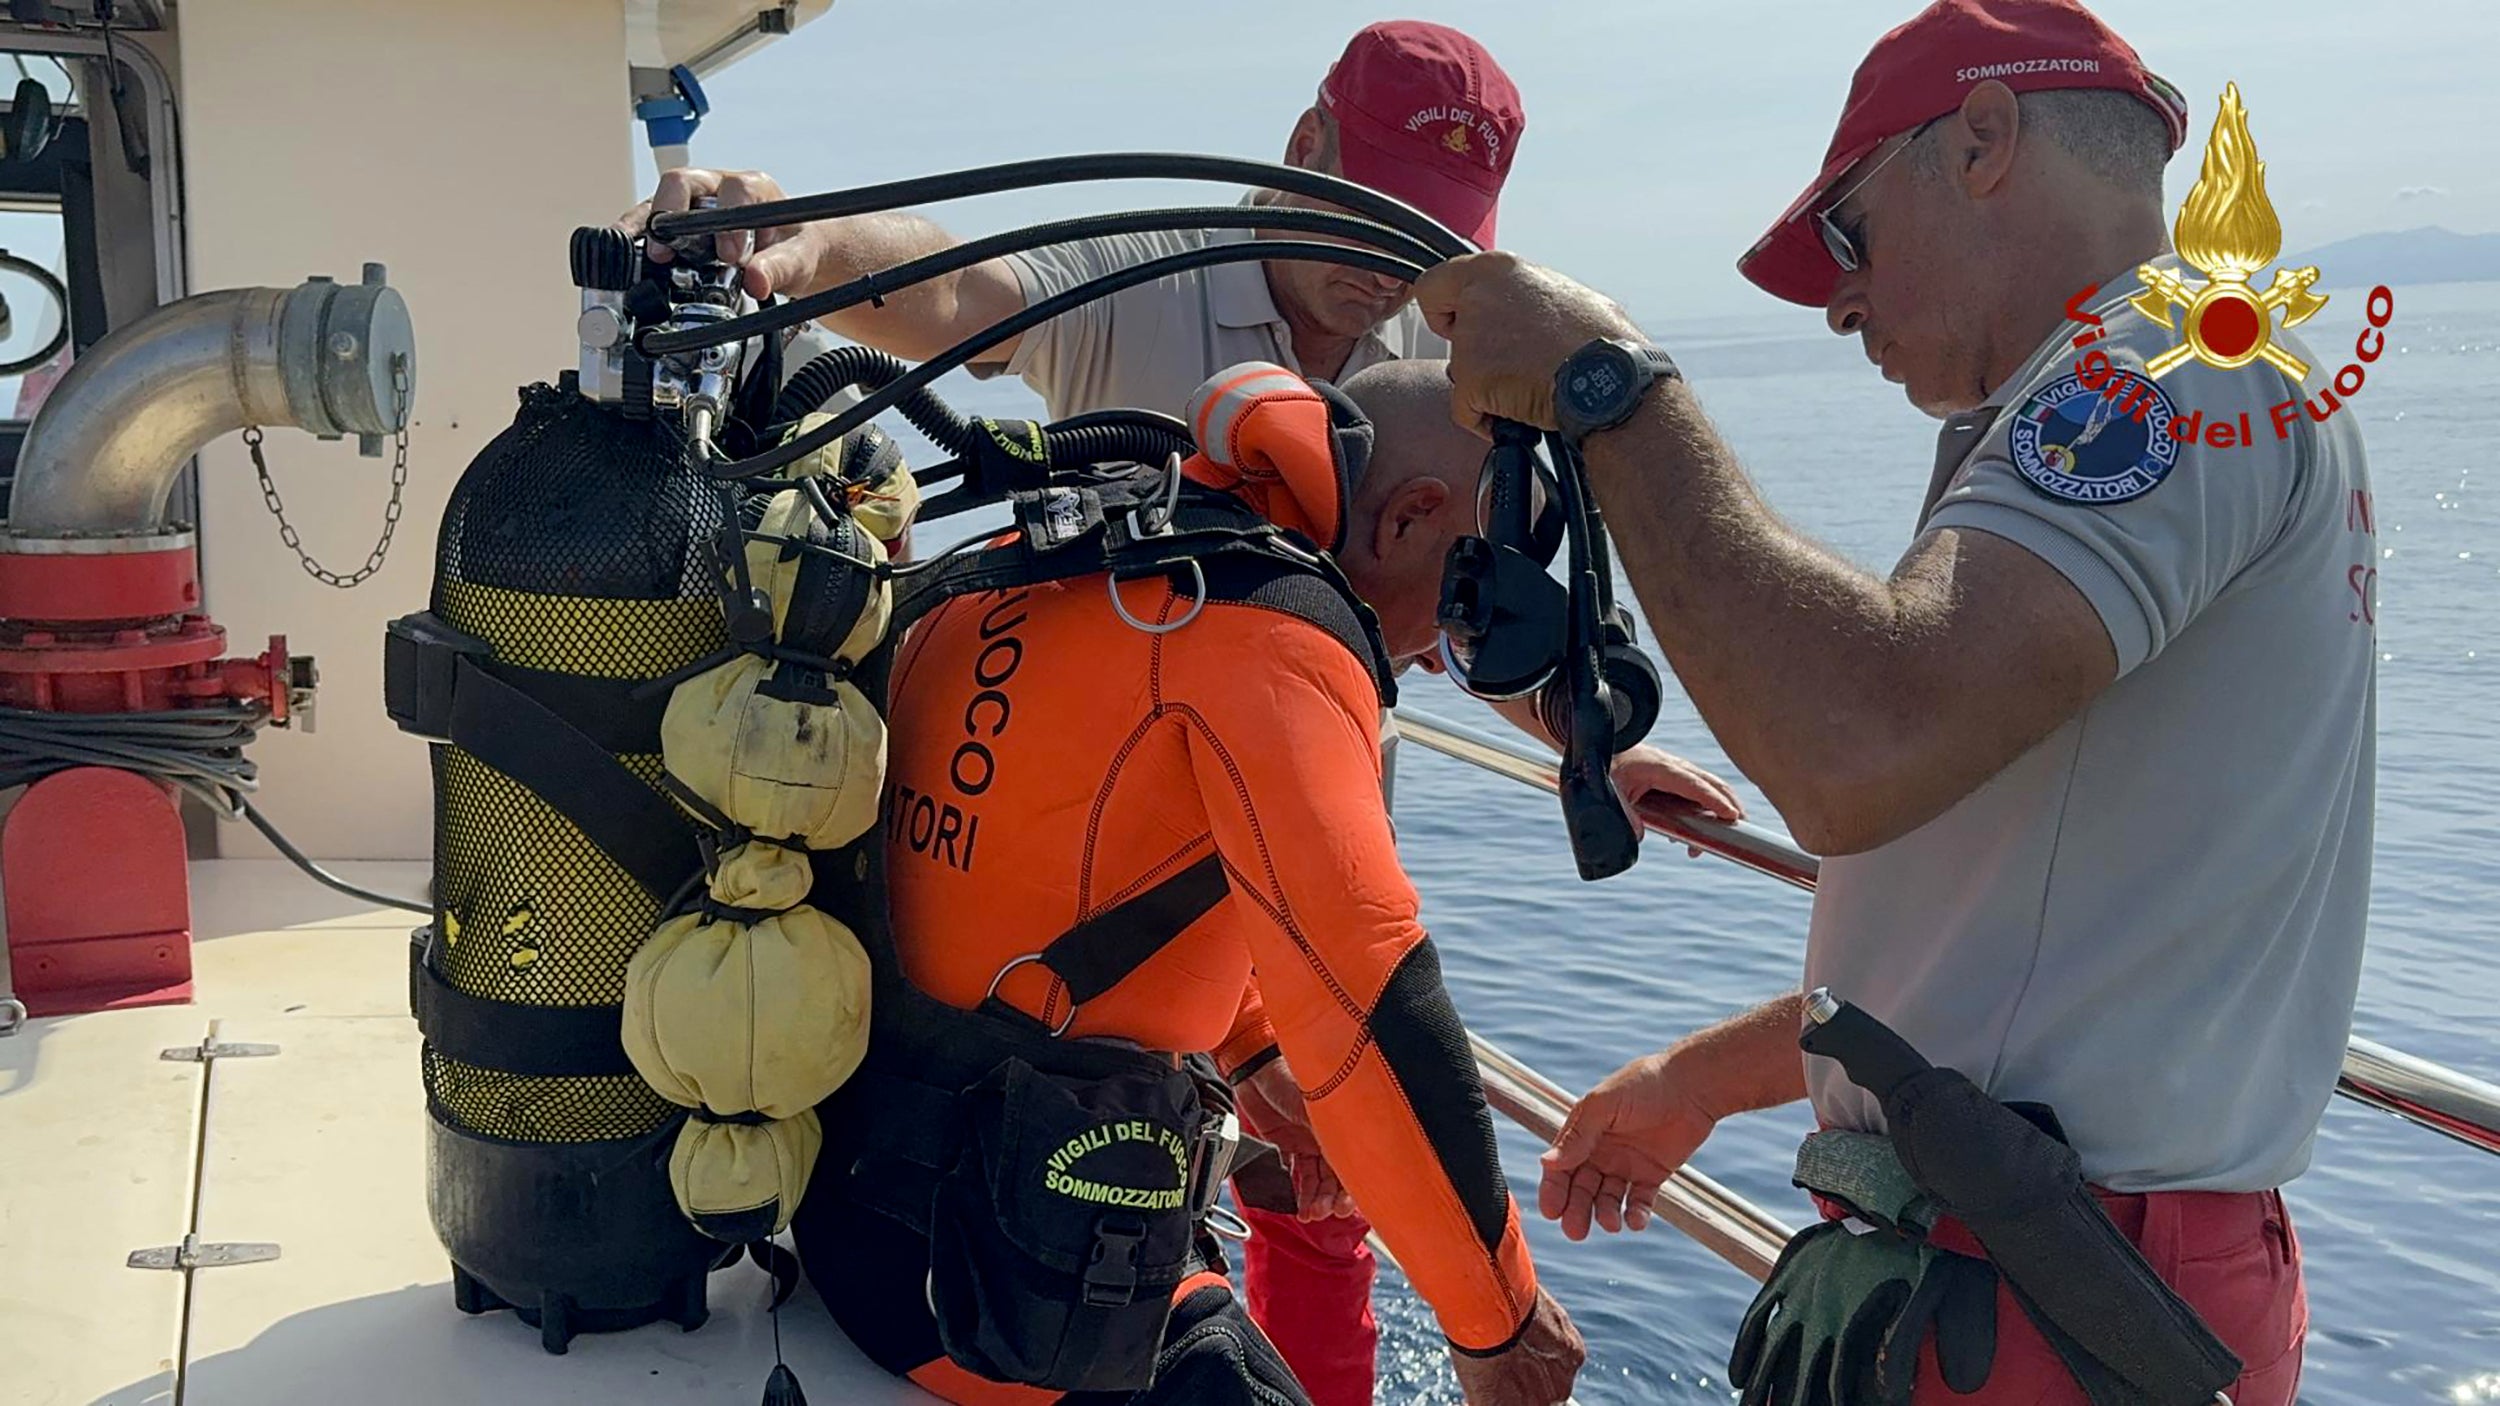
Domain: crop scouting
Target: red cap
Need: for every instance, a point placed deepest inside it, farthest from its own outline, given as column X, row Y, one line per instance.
column 1424, row 114
column 1923, row 71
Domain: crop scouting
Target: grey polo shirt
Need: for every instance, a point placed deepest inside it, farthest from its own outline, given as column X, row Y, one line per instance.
column 1149, row 346
column 2151, row 921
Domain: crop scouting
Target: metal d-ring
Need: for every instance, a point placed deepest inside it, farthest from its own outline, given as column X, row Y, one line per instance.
column 1225, row 1222
column 12, row 1015
column 1196, row 571
column 1012, row 964
column 1171, row 504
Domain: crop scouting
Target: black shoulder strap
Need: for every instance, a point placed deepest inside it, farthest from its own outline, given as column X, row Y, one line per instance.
column 1107, row 948
column 634, row 825
column 557, row 1042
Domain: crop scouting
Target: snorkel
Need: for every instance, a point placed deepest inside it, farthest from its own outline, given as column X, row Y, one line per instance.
column 1510, row 630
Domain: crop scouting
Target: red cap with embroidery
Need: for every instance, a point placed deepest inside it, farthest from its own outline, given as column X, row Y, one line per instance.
column 1922, row 71
column 1424, row 114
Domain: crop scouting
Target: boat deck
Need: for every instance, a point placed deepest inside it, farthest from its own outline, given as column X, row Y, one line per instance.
column 107, row 1147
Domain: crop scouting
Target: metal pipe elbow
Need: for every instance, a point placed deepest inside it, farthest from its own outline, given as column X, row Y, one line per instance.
column 102, row 456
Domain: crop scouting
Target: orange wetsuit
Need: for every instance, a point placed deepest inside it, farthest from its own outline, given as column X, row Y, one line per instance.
column 1048, row 760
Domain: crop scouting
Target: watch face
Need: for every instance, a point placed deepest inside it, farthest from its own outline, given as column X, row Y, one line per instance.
column 1597, row 383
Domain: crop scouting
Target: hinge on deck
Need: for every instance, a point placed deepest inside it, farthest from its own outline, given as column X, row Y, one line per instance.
column 214, row 1048
column 191, row 1254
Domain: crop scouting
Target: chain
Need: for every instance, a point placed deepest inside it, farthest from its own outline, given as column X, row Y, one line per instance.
column 390, row 513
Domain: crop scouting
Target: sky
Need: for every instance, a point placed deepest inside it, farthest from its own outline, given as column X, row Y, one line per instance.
column 1662, row 135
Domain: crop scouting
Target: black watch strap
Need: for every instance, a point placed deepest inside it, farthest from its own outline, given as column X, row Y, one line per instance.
column 1600, row 385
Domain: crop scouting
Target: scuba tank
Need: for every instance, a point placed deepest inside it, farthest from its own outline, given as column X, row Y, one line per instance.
column 570, row 572
column 631, row 673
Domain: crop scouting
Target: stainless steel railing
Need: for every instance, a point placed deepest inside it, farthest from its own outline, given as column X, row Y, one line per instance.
column 1734, row 1228
column 2414, row 1089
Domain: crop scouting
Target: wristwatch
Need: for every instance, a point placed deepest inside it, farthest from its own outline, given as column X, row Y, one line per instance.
column 1598, row 386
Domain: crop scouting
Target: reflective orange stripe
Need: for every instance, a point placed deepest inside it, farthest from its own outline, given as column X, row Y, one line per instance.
column 953, row 1383
column 1255, row 370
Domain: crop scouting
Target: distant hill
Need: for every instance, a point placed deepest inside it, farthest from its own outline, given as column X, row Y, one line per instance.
column 2426, row 255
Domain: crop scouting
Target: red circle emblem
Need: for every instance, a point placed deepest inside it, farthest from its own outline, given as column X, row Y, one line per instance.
column 2230, row 327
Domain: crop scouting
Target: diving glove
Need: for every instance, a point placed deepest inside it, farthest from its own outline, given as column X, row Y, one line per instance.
column 1841, row 1319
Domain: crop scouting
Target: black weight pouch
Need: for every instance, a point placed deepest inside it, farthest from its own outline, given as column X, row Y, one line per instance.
column 1064, row 1224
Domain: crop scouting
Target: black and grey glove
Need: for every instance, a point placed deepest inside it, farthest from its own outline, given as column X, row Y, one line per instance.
column 1841, row 1319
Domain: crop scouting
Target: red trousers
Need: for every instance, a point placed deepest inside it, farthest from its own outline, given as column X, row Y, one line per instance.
column 2231, row 1255
column 1309, row 1285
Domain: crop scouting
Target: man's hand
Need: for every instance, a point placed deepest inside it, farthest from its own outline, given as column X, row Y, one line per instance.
column 1537, row 1370
column 1620, row 1144
column 782, row 259
column 1510, row 326
column 1270, row 1105
column 1653, row 783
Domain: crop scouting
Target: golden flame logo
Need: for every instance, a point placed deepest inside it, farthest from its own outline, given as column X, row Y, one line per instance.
column 2228, row 230
column 1456, row 140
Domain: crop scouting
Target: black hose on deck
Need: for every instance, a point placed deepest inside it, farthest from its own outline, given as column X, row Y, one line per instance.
column 318, row 874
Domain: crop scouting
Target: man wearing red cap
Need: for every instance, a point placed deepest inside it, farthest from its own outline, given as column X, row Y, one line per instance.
column 2092, row 766
column 1418, row 111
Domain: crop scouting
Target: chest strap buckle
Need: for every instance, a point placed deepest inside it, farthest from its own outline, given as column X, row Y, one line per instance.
column 1111, row 1270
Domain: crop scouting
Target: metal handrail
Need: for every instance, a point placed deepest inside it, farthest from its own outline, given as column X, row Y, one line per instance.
column 1734, row 1228
column 2418, row 1091
column 2414, row 1089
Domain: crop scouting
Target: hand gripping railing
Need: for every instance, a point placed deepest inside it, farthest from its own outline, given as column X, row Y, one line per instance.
column 2414, row 1089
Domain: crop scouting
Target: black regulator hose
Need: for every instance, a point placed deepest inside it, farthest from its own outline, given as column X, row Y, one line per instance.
column 1102, row 444
column 1078, row 442
column 1107, row 436
column 813, row 384
column 919, row 377
column 1169, row 424
column 883, row 283
column 1066, row 170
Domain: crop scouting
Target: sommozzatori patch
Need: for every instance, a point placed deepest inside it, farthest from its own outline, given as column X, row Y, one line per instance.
column 2076, row 443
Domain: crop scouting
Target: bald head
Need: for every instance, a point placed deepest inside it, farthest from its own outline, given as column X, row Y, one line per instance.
column 1417, row 496
column 1413, row 435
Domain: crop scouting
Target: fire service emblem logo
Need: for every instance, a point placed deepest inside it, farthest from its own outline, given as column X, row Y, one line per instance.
column 2229, row 231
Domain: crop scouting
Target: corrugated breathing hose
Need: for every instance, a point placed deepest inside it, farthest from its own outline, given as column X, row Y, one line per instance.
column 816, row 382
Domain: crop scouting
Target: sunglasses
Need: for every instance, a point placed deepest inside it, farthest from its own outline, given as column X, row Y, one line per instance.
column 1840, row 243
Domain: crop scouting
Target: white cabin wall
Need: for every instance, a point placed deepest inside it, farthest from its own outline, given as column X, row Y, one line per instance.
column 459, row 142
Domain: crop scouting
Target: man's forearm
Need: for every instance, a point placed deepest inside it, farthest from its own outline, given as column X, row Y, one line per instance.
column 914, row 323
column 1793, row 656
column 1748, row 1061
